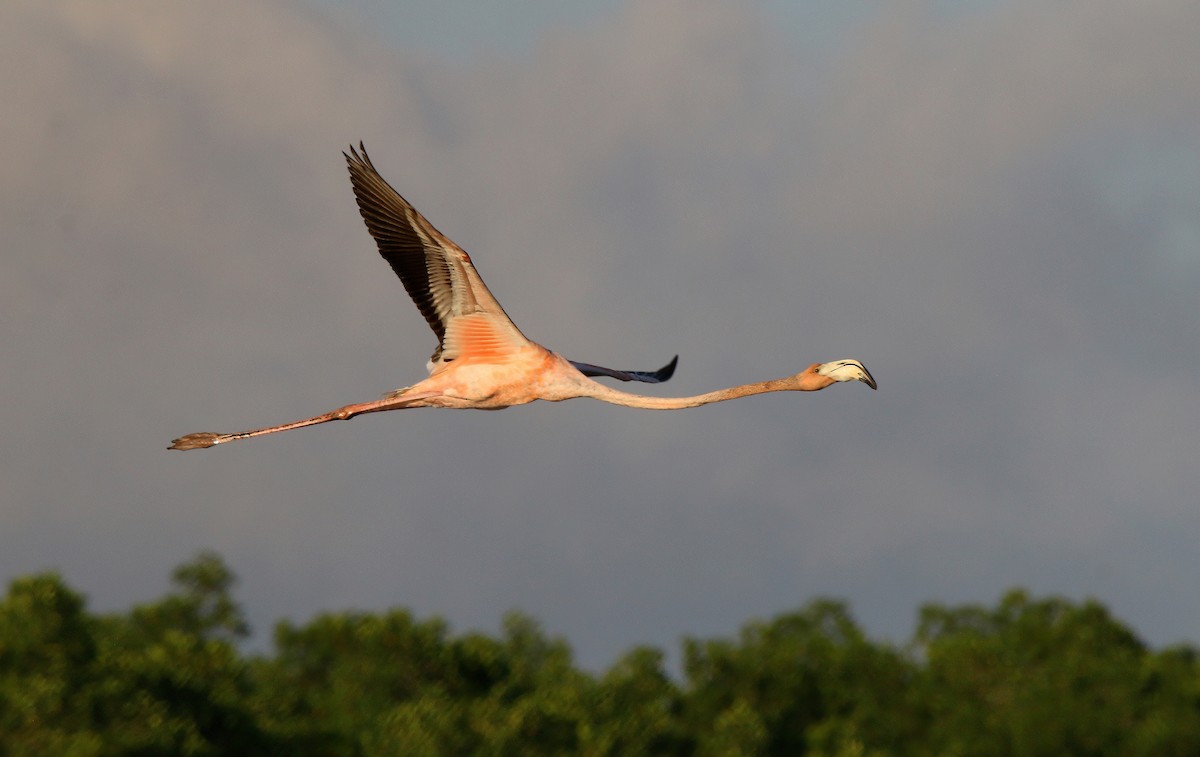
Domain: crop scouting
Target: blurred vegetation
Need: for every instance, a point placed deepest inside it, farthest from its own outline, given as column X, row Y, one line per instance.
column 1026, row 677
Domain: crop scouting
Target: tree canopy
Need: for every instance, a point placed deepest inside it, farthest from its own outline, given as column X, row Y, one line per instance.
column 1029, row 676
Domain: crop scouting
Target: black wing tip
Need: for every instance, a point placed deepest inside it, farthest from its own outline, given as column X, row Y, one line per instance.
column 667, row 371
column 646, row 377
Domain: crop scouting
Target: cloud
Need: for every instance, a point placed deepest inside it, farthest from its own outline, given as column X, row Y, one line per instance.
column 975, row 205
column 926, row 115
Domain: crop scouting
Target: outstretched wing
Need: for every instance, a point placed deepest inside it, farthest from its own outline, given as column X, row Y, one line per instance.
column 649, row 377
column 443, row 283
column 436, row 273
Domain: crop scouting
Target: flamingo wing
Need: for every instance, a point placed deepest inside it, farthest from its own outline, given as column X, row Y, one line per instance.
column 649, row 377
column 437, row 274
column 442, row 281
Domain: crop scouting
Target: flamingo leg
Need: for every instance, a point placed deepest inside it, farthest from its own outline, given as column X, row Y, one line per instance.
column 205, row 439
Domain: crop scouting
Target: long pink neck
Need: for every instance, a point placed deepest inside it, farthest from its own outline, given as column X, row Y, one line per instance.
column 617, row 397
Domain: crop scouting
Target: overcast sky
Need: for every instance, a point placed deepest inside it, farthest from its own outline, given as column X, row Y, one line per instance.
column 994, row 205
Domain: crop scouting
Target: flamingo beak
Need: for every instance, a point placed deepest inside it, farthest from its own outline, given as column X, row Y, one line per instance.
column 848, row 370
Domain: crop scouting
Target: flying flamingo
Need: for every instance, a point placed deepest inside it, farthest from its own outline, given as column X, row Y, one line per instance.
column 482, row 360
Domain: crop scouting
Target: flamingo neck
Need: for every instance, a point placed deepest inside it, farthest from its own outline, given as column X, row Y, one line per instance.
column 617, row 397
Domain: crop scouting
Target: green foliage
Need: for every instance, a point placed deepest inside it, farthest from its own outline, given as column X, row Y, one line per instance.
column 1026, row 677
column 1051, row 677
column 202, row 606
column 46, row 652
column 806, row 681
column 635, row 708
column 158, row 681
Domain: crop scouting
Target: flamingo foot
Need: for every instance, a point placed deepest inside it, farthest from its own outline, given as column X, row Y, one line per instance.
column 195, row 441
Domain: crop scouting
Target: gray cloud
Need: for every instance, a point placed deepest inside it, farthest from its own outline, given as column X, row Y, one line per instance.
column 996, row 211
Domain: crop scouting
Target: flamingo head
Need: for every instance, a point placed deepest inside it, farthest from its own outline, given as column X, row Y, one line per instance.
column 847, row 370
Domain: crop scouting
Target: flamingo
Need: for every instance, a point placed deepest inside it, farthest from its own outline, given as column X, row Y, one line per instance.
column 482, row 360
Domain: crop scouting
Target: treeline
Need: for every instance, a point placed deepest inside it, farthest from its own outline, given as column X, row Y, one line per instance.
column 1026, row 677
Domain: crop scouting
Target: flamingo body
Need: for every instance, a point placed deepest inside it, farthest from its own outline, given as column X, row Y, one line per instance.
column 482, row 360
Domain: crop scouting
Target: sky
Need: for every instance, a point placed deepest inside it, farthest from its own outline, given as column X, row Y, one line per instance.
column 994, row 205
